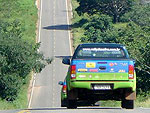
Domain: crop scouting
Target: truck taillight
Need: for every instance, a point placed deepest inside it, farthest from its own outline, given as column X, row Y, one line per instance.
column 64, row 88
column 131, row 72
column 73, row 71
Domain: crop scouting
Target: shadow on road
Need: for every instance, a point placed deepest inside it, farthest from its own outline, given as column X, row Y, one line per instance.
column 58, row 27
column 62, row 57
column 98, row 108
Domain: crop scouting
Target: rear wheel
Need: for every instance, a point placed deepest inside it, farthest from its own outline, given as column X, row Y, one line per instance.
column 72, row 99
column 63, row 103
column 72, row 104
column 128, row 104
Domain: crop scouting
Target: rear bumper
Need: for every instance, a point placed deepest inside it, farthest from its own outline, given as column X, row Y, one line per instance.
column 116, row 84
column 63, row 95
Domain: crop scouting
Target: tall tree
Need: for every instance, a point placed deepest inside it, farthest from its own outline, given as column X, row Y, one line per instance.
column 140, row 14
column 114, row 8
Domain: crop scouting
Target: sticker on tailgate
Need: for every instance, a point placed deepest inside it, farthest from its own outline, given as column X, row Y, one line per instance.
column 90, row 65
column 82, row 70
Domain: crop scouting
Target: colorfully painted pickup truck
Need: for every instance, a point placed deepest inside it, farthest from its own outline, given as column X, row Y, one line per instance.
column 99, row 71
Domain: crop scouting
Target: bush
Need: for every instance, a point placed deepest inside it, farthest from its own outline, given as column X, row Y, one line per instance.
column 17, row 59
column 9, row 86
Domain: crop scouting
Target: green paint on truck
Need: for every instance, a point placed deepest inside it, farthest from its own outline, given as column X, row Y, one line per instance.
column 99, row 72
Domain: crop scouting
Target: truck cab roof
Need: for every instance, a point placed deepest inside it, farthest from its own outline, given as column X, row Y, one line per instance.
column 101, row 45
column 100, row 50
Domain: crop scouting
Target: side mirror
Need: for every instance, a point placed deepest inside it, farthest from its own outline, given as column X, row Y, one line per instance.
column 61, row 83
column 66, row 61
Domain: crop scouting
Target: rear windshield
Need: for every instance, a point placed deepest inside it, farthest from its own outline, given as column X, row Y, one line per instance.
column 100, row 52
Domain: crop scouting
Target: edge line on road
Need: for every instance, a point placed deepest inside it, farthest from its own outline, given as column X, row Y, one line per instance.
column 31, row 96
column 54, row 47
column 68, row 28
column 39, row 39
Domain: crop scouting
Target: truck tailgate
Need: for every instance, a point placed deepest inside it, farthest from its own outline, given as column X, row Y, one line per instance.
column 101, row 70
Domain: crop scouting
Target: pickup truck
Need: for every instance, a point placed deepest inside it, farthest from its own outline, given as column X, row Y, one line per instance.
column 99, row 71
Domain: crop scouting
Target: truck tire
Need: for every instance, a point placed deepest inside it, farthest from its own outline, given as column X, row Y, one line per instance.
column 71, row 104
column 128, row 104
column 64, row 103
column 122, row 104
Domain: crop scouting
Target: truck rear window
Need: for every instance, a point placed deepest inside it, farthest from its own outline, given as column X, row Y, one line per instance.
column 100, row 52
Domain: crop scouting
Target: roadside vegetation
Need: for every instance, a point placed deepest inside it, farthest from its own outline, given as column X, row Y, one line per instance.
column 117, row 21
column 18, row 51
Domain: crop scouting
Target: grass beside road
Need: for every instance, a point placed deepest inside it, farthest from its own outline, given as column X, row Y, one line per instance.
column 25, row 12
column 141, row 101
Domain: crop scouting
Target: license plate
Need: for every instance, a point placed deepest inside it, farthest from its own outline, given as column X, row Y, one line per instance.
column 102, row 87
column 90, row 65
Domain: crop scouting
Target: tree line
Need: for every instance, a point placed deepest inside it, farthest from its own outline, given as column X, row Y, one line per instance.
column 18, row 57
column 119, row 21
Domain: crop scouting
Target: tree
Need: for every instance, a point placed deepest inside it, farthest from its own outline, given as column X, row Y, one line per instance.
column 91, row 35
column 137, row 42
column 140, row 14
column 17, row 59
column 101, row 22
column 96, row 28
column 114, row 8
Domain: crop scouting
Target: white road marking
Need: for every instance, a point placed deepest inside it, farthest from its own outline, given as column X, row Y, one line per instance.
column 69, row 30
column 39, row 39
column 31, row 95
column 53, row 89
column 54, row 42
column 53, row 100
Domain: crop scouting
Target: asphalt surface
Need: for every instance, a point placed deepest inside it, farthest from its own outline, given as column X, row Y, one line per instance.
column 89, row 110
column 79, row 110
column 54, row 38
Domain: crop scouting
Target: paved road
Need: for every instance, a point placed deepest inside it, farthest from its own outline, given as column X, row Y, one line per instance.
column 54, row 38
column 79, row 110
column 89, row 110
